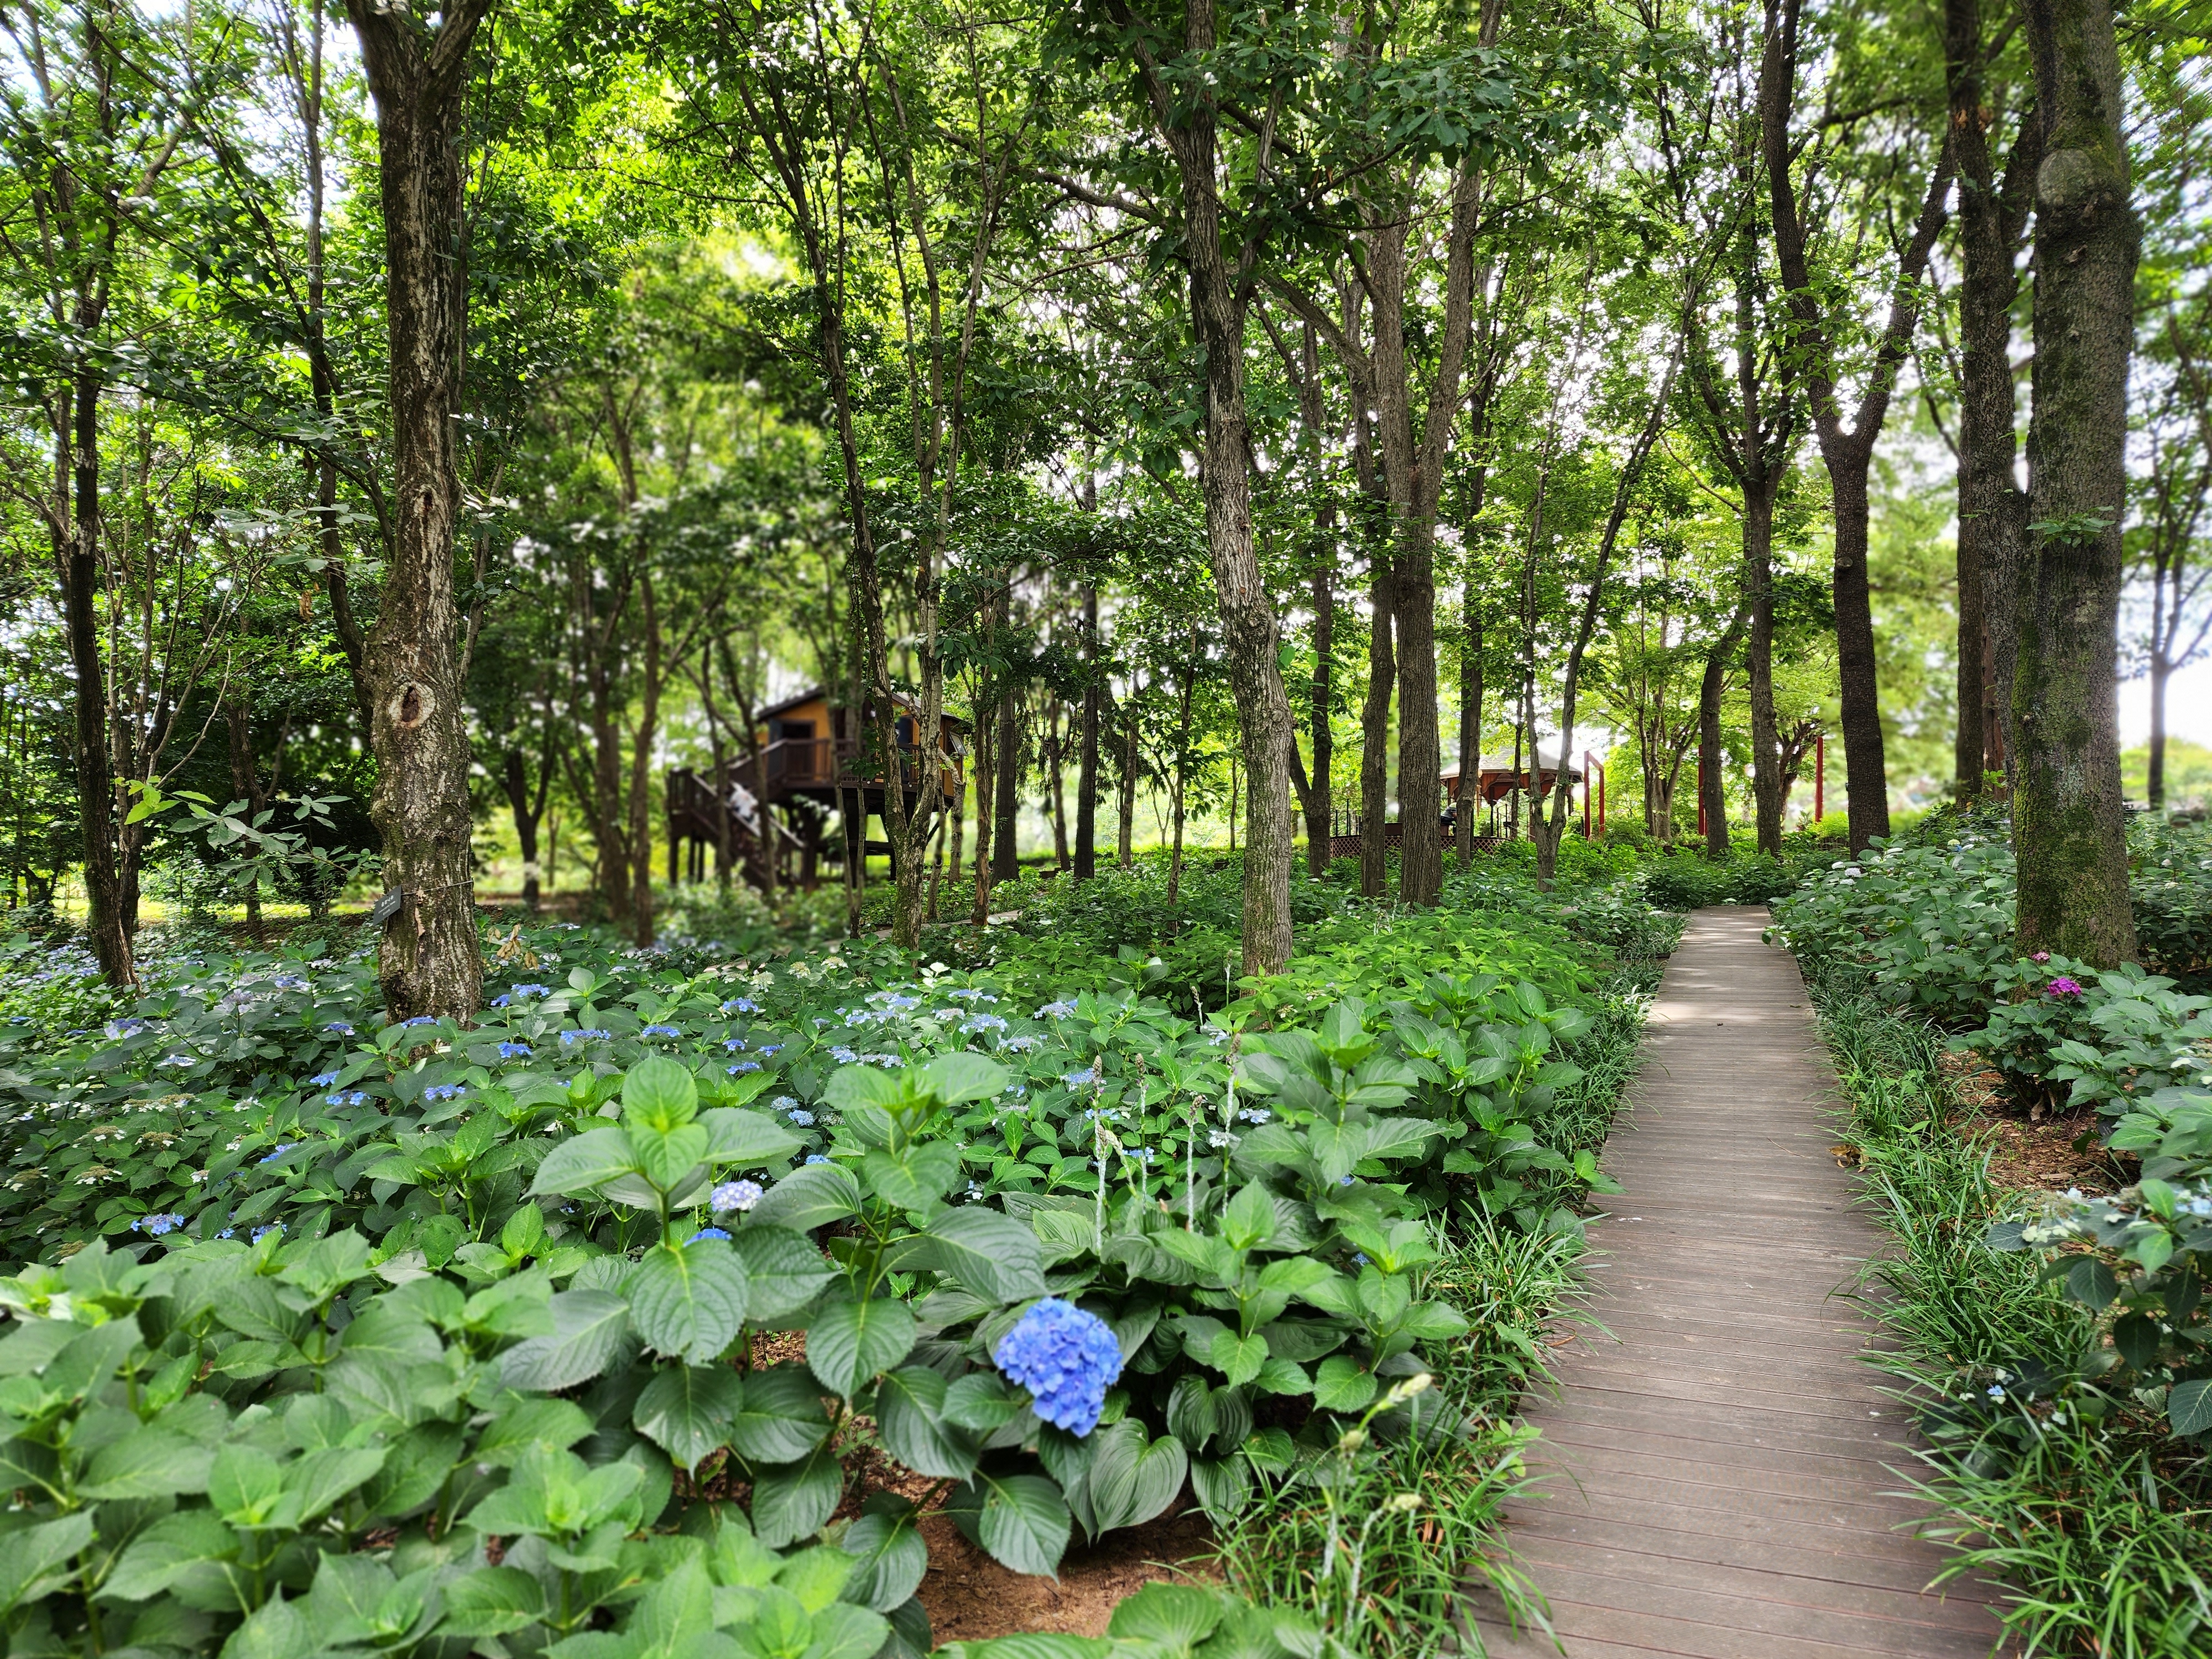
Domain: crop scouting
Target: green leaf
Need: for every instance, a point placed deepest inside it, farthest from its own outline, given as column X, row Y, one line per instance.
column 525, row 1421
column 988, row 1252
column 809, row 1197
column 245, row 1487
column 842, row 1631
column 1132, row 1480
column 35, row 1560
column 796, row 1500
column 491, row 1602
column 957, row 1077
column 167, row 1550
column 1021, row 1519
column 786, row 1271
column 317, row 1480
column 782, row 1418
column 860, row 1088
column 592, row 1159
column 2189, row 1407
column 2090, row 1281
column 666, row 1157
column 892, row 1559
column 1238, row 1358
column 1249, row 1219
column 686, row 1410
column 914, row 1178
column 277, row 1630
column 735, row 1136
column 1340, row 1385
column 660, row 1093
column 148, row 1462
column 848, row 1342
column 588, row 1328
column 689, row 1300
column 1178, row 1616
column 909, row 1416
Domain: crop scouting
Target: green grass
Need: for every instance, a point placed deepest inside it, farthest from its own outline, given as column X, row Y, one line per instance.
column 2100, row 1525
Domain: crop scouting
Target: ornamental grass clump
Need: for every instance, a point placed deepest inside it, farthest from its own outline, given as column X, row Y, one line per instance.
column 1066, row 1358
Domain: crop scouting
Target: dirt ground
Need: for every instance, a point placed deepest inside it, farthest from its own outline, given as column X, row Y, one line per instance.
column 2048, row 1153
column 970, row 1596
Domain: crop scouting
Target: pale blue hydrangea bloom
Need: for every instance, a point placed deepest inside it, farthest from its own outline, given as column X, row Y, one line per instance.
column 1066, row 1357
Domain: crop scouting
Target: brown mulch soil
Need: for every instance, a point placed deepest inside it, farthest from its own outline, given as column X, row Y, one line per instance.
column 969, row 1596
column 2040, row 1149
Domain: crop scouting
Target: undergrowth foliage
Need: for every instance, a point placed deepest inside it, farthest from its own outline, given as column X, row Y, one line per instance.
column 411, row 1338
column 2057, row 1345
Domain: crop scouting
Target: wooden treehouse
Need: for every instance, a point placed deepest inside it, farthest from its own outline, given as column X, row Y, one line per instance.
column 768, row 814
column 1495, row 782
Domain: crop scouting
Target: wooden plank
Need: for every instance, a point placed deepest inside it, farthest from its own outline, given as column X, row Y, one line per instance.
column 1723, row 1475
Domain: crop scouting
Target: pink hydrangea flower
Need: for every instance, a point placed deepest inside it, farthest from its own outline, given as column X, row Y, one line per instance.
column 2063, row 987
column 2042, row 956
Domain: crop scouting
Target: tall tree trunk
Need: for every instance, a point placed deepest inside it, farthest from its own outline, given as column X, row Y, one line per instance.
column 640, row 770
column 1375, row 730
column 1220, row 299
column 987, row 756
column 528, row 810
column 1125, row 823
column 1086, row 776
column 1992, row 508
column 1006, row 818
column 1470, row 728
column 429, row 959
column 1765, row 738
column 2155, row 780
column 2069, row 823
column 1059, row 794
column 1713, row 759
column 1848, row 453
column 1181, row 777
column 108, row 921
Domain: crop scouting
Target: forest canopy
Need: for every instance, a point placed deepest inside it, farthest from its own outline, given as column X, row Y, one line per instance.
column 445, row 450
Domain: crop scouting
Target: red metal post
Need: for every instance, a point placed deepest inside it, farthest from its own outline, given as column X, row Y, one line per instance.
column 1601, row 798
column 1820, row 777
column 1585, row 794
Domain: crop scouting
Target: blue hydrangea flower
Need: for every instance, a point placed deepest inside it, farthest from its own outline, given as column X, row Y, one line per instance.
column 289, row 982
column 282, row 1147
column 324, row 1079
column 1078, row 1079
column 514, row 1051
column 783, row 1103
column 445, row 1091
column 1066, row 1358
column 741, row 1006
column 982, row 1022
column 734, row 1196
column 733, row 1045
column 339, row 1027
column 158, row 1225
column 594, row 1035
column 661, row 1031
column 770, row 1048
column 707, row 1233
column 261, row 1232
column 522, row 992
column 844, row 1056
column 817, row 1157
column 799, row 1116
column 1054, row 1010
column 742, row 1067
column 421, row 1019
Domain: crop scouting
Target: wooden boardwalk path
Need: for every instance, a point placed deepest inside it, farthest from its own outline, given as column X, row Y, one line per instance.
column 1720, row 1459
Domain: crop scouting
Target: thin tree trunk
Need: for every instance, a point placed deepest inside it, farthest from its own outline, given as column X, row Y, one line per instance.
column 1992, row 508
column 1007, row 816
column 2069, row 822
column 1712, row 759
column 1181, row 774
column 1059, row 792
column 2155, row 783
column 1219, row 298
column 1847, row 453
column 1375, row 730
column 1086, row 777
column 429, row 960
column 1126, row 839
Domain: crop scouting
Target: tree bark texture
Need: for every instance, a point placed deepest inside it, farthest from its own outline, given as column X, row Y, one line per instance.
column 1992, row 508
column 1086, row 776
column 1713, row 759
column 1848, row 452
column 1005, row 815
column 429, row 958
column 1375, row 729
column 1219, row 305
column 2068, row 824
